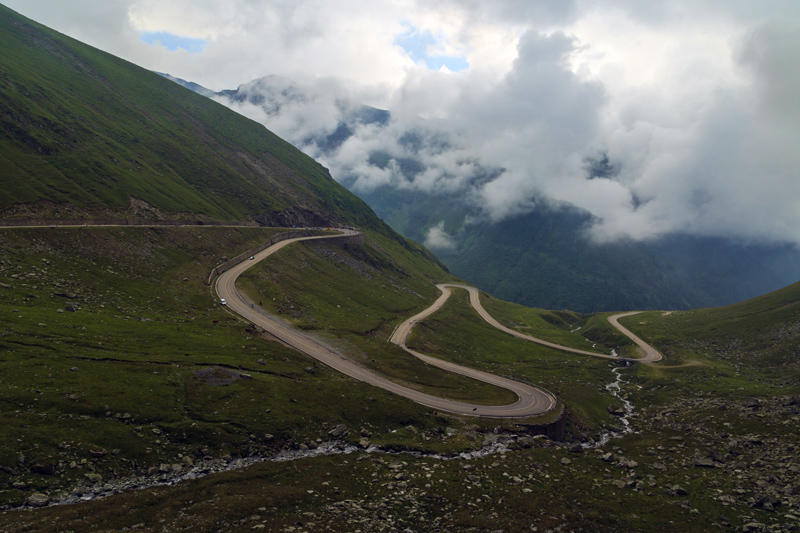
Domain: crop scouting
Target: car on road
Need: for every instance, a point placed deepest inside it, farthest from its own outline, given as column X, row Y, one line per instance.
column 222, row 301
column 252, row 257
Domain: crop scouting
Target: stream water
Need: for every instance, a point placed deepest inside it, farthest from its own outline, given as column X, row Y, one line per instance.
column 499, row 445
column 615, row 388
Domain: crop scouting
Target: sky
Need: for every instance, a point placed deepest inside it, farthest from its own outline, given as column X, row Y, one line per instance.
column 658, row 117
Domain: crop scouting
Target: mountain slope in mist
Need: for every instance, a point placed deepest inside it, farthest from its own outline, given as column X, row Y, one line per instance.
column 415, row 177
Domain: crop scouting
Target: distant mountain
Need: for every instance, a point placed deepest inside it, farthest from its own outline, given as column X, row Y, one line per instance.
column 542, row 258
column 189, row 85
column 273, row 93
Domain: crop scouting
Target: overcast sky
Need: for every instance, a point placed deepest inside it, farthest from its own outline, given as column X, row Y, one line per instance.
column 695, row 103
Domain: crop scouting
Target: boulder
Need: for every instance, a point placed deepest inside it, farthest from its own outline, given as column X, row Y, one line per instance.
column 92, row 477
column 45, row 469
column 624, row 462
column 338, row 432
column 752, row 403
column 704, row 462
column 97, row 452
column 615, row 410
column 37, row 499
column 678, row 490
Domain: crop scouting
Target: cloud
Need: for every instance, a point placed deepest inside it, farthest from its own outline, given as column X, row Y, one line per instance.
column 655, row 117
column 423, row 46
column 438, row 239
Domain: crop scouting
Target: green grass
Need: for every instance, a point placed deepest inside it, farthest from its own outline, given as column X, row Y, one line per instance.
column 590, row 332
column 354, row 297
column 527, row 488
column 458, row 334
column 142, row 331
column 738, row 351
column 146, row 322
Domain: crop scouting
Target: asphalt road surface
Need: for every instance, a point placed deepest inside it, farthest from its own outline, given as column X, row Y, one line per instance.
column 402, row 332
column 532, row 401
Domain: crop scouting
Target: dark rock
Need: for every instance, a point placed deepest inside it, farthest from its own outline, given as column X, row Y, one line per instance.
column 69, row 295
column 615, row 410
column 43, row 469
column 705, row 462
column 752, row 403
column 678, row 490
column 8, row 470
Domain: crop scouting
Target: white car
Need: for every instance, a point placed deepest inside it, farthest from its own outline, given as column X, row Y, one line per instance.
column 252, row 257
column 222, row 301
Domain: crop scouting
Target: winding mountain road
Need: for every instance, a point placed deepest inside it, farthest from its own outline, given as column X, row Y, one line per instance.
column 402, row 332
column 532, row 401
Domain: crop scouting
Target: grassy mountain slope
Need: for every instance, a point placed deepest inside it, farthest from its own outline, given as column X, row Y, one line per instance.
column 99, row 322
column 756, row 339
column 80, row 126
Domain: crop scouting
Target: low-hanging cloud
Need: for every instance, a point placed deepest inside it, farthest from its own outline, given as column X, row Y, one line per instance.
column 690, row 105
column 686, row 161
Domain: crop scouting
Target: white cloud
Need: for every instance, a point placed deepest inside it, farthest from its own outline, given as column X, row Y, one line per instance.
column 438, row 239
column 694, row 100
